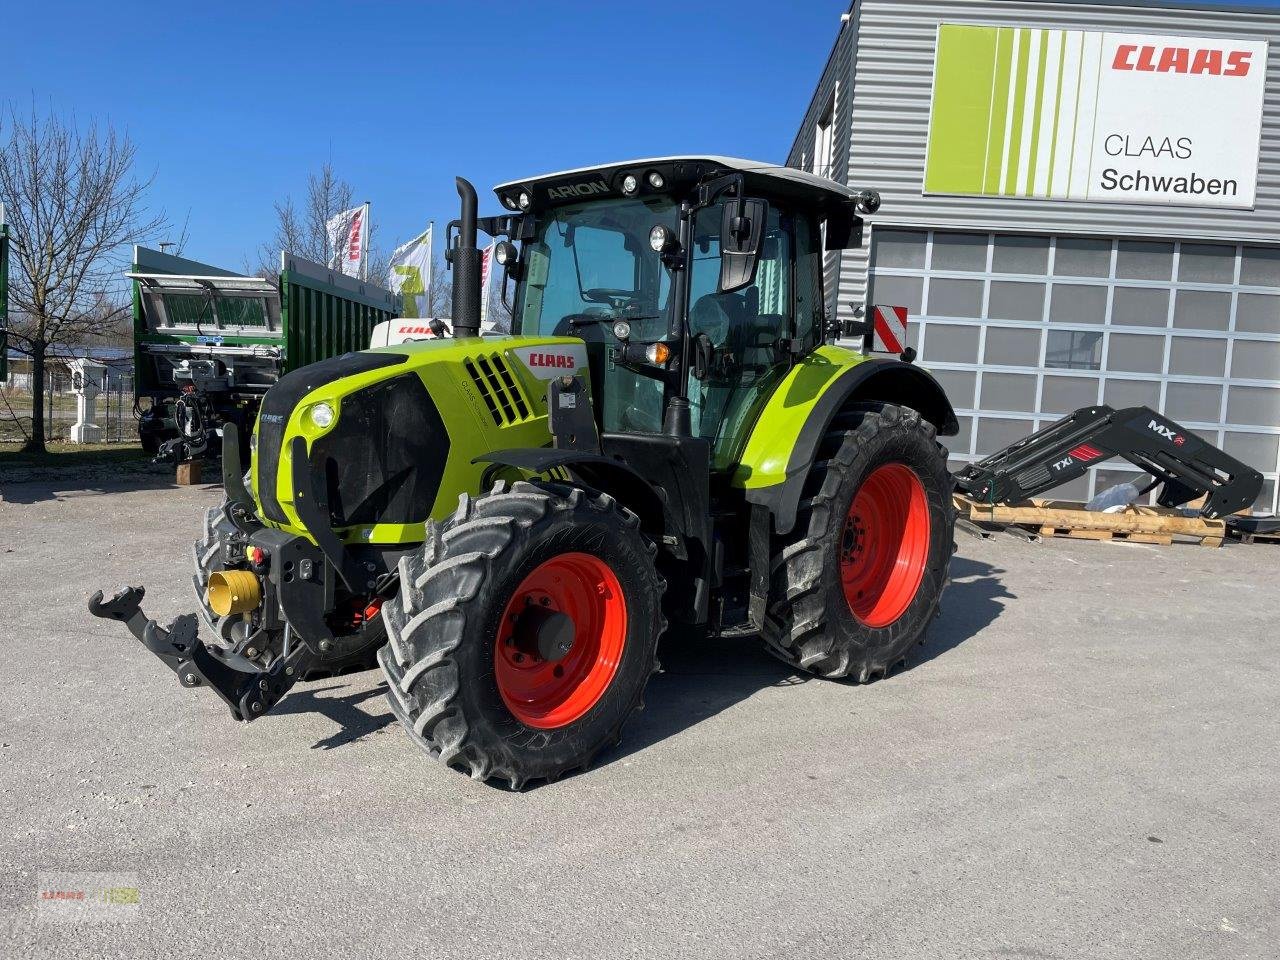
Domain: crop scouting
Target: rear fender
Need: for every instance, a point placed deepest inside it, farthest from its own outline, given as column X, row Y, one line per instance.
column 785, row 440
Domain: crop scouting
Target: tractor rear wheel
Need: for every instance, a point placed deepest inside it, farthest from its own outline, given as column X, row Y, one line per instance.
column 524, row 631
column 860, row 577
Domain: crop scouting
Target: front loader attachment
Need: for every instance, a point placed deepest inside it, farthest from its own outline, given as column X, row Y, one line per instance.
column 248, row 692
column 1187, row 466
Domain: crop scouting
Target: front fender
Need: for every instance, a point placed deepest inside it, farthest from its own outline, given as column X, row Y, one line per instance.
column 603, row 473
column 785, row 439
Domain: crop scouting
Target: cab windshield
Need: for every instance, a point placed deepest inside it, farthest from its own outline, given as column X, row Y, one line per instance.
column 591, row 263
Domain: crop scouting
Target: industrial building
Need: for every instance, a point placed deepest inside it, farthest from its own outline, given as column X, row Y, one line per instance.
column 1081, row 204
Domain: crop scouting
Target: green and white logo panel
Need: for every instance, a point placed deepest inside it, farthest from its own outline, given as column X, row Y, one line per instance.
column 1082, row 115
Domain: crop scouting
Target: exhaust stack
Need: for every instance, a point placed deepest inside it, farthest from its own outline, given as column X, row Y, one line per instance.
column 466, row 267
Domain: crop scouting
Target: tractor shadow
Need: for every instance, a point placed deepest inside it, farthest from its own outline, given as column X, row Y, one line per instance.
column 700, row 677
column 703, row 677
column 975, row 598
column 352, row 721
column 44, row 490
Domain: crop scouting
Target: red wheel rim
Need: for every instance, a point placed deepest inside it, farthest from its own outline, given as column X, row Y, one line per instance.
column 549, row 694
column 884, row 547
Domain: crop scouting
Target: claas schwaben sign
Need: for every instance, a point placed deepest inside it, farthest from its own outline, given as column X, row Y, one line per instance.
column 1082, row 115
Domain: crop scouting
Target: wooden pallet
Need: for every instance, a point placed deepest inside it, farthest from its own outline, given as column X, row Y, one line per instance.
column 1060, row 518
column 1244, row 537
column 1163, row 539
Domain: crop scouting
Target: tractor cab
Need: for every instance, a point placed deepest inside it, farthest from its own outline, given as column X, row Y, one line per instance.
column 696, row 283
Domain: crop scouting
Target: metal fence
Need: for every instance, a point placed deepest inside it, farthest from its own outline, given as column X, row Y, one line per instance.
column 113, row 410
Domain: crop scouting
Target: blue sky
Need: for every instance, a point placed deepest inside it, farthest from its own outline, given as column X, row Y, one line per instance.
column 232, row 104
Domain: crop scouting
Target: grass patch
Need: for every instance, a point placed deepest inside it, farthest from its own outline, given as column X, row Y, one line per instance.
column 72, row 456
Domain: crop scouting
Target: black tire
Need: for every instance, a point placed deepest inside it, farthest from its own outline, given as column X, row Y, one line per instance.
column 810, row 622
column 355, row 653
column 442, row 659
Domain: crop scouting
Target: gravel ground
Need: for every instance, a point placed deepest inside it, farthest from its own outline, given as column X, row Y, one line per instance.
column 1081, row 762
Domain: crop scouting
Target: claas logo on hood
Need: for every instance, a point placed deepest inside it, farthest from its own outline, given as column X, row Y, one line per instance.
column 563, row 361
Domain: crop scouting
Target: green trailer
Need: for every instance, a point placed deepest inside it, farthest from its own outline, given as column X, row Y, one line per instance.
column 209, row 343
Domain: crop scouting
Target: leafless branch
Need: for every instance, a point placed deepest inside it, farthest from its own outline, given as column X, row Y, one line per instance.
column 303, row 232
column 74, row 207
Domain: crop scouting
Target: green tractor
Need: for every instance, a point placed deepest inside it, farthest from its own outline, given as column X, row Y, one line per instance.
column 509, row 523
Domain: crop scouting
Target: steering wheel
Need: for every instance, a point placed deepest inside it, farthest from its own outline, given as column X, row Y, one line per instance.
column 607, row 295
column 585, row 326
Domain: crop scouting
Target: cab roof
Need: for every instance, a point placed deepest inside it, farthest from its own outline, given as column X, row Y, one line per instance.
column 602, row 180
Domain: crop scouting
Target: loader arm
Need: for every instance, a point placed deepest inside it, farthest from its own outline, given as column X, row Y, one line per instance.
column 1187, row 466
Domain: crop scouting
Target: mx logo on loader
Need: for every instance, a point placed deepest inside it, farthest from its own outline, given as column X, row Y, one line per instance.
column 1167, row 432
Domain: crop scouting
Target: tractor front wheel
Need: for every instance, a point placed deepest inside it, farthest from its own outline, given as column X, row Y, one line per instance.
column 860, row 577
column 524, row 631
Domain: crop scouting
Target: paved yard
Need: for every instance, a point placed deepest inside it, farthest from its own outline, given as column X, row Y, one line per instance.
column 1081, row 762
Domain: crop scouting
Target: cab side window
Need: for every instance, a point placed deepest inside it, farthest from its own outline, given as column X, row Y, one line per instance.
column 744, row 327
column 763, row 306
column 809, row 306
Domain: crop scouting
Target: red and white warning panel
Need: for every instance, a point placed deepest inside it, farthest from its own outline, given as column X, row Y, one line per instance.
column 889, row 329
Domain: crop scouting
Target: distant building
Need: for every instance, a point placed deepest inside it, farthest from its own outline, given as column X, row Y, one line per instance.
column 1081, row 204
column 119, row 362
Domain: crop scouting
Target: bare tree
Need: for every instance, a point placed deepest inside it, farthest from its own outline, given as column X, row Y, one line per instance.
column 73, row 205
column 304, row 232
column 440, row 296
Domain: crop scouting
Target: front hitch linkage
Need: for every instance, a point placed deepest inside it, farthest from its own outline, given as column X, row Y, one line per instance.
column 249, row 695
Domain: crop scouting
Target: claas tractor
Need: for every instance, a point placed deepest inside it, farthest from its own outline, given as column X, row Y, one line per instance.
column 670, row 435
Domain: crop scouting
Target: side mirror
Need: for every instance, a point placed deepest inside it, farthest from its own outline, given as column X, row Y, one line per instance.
column 844, row 224
column 741, row 233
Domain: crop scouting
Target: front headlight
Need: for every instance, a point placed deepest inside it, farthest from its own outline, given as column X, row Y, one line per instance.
column 322, row 415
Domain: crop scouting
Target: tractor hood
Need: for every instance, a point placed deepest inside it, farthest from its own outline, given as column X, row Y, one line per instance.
column 386, row 430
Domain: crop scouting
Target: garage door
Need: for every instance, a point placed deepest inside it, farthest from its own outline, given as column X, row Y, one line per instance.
column 1023, row 329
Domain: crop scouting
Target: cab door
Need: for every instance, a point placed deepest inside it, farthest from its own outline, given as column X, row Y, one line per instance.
column 747, row 330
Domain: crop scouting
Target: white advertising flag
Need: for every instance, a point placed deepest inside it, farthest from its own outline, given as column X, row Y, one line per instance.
column 486, row 274
column 410, row 276
column 348, row 237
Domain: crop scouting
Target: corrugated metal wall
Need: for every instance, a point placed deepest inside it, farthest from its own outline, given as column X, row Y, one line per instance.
column 885, row 56
column 833, row 88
